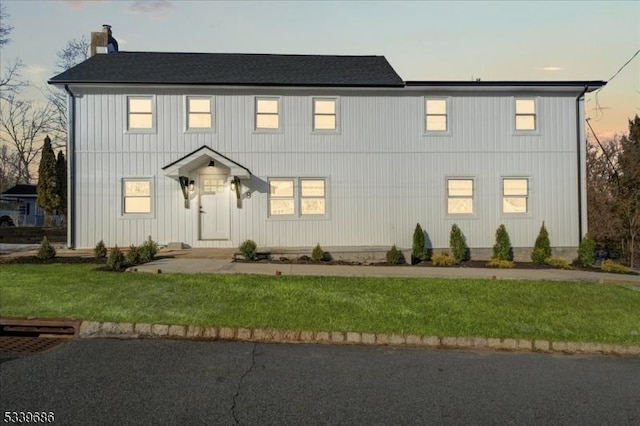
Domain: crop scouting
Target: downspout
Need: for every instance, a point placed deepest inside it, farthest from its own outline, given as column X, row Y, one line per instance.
column 579, row 133
column 71, row 166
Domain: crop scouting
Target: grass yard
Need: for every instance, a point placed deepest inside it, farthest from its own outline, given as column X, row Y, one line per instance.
column 560, row 311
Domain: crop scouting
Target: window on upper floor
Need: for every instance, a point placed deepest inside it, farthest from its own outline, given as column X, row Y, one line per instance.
column 136, row 196
column 199, row 113
column 325, row 114
column 139, row 112
column 436, row 114
column 526, row 115
column 267, row 113
column 460, row 196
column 515, row 195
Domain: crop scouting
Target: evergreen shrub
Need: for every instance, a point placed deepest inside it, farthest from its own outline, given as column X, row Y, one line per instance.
column 46, row 250
column 542, row 247
column 458, row 245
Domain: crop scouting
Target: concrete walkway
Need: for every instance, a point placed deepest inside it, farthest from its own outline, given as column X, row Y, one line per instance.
column 190, row 265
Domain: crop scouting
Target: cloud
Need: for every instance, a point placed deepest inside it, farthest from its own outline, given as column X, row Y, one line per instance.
column 155, row 9
column 552, row 68
column 35, row 70
column 81, row 4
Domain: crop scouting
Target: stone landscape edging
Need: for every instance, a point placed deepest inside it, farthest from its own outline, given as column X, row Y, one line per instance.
column 93, row 329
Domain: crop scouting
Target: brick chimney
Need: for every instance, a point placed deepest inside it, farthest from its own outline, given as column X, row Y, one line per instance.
column 103, row 42
column 99, row 41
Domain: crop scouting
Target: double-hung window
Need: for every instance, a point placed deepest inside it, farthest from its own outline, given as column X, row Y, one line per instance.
column 325, row 114
column 199, row 116
column 267, row 113
column 436, row 119
column 281, row 197
column 312, row 198
column 515, row 195
column 136, row 195
column 297, row 197
column 526, row 115
column 460, row 196
column 139, row 112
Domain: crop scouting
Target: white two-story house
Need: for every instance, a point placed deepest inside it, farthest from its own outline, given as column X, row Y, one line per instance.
column 210, row 150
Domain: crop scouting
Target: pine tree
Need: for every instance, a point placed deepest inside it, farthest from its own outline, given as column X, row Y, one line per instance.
column 48, row 199
column 502, row 249
column 458, row 245
column 61, row 183
column 542, row 248
column 418, row 252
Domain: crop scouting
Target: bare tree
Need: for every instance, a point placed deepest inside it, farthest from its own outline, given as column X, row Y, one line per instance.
column 5, row 28
column 75, row 51
column 8, row 168
column 23, row 126
column 613, row 191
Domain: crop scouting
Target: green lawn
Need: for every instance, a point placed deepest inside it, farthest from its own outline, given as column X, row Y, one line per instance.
column 560, row 311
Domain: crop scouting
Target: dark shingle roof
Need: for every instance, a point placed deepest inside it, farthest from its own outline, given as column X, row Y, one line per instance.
column 22, row 189
column 233, row 69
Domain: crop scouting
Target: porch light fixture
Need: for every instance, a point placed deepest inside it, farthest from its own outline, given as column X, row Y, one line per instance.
column 192, row 186
column 212, row 163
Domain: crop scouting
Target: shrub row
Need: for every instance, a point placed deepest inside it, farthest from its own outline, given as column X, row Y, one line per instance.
column 117, row 259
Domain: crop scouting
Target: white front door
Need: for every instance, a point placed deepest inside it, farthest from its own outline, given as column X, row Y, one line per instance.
column 214, row 207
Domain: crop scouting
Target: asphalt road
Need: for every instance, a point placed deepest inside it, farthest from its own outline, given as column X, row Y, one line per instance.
column 102, row 381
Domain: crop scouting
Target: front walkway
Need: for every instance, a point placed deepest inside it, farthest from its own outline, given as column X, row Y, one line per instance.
column 189, row 265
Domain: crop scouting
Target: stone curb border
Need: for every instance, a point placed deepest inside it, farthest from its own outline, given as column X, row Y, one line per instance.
column 89, row 329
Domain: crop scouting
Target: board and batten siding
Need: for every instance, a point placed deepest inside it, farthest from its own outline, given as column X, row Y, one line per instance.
column 384, row 174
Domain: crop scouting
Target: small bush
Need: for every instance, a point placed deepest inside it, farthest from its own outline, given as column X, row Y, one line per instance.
column 115, row 259
column 100, row 251
column 502, row 249
column 458, row 245
column 611, row 266
column 317, row 254
column 542, row 247
column 133, row 255
column 443, row 259
column 418, row 252
column 46, row 250
column 394, row 256
column 501, row 263
column 586, row 251
column 148, row 250
column 557, row 262
column 248, row 249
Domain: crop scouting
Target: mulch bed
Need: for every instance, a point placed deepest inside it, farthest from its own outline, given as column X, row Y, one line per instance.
column 303, row 260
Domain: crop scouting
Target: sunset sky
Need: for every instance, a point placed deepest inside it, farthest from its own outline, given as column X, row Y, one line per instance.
column 423, row 40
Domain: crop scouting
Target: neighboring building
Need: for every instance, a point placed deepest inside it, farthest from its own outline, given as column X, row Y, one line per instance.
column 294, row 150
column 19, row 207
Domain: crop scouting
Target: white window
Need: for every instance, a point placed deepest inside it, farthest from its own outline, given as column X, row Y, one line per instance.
column 136, row 194
column 297, row 197
column 324, row 114
column 267, row 114
column 140, row 112
column 436, row 115
column 281, row 197
column 199, row 113
column 515, row 195
column 312, row 197
column 460, row 196
column 525, row 114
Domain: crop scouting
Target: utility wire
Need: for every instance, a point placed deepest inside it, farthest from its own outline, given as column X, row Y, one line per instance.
column 598, row 108
column 619, row 70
